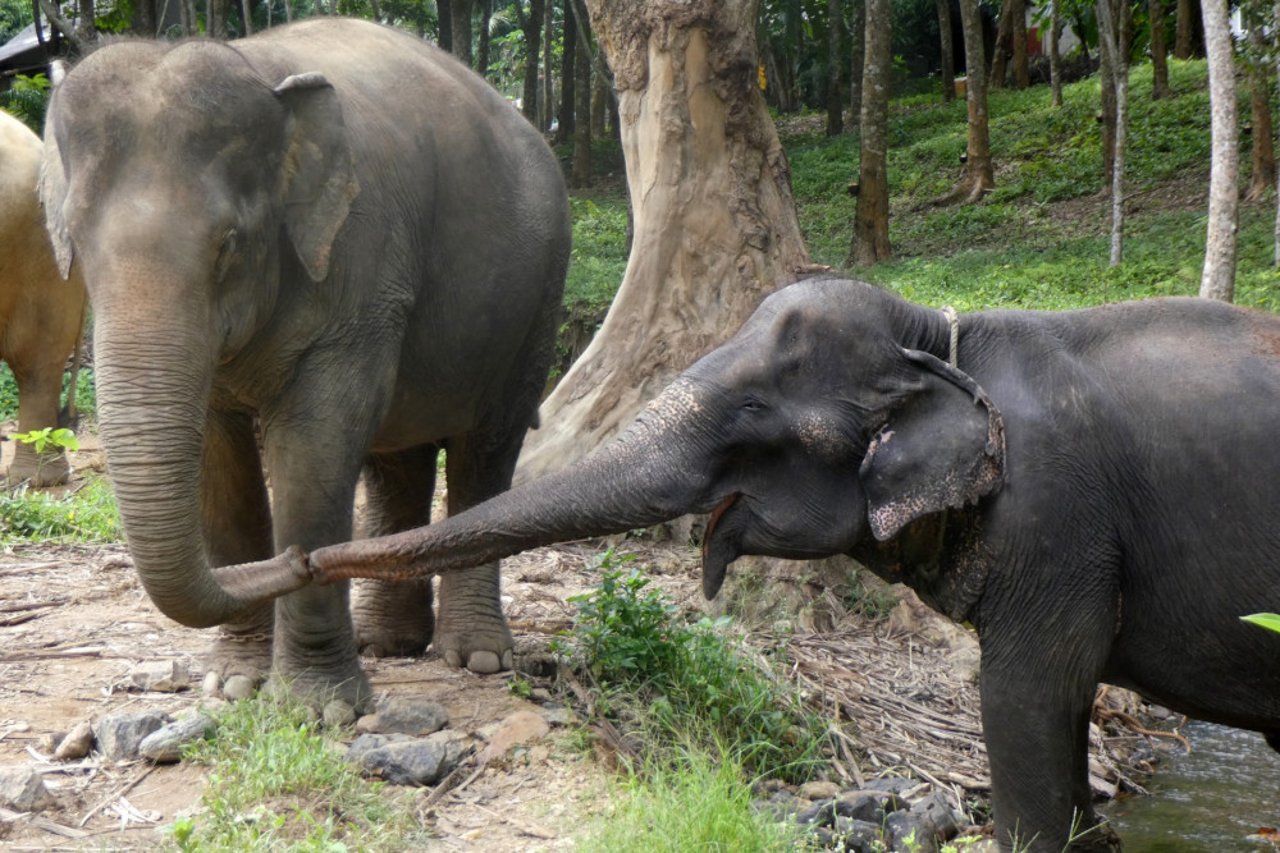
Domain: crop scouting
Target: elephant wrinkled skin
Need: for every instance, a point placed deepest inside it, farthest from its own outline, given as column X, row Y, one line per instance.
column 334, row 238
column 1096, row 491
column 40, row 315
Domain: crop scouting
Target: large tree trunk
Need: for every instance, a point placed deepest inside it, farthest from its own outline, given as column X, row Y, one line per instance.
column 715, row 222
column 1003, row 46
column 1185, row 29
column 1275, row 28
column 871, row 220
column 444, row 25
column 548, row 88
column 1159, row 51
column 1109, row 41
column 482, row 51
column 1218, row 278
column 568, row 60
column 1263, row 174
column 947, row 51
column 835, row 106
column 1018, row 31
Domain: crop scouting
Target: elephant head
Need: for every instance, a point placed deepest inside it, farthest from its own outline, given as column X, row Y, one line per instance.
column 823, row 427
column 187, row 183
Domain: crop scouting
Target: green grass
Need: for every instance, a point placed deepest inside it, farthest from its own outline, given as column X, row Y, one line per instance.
column 277, row 782
column 88, row 514
column 695, row 803
column 680, row 686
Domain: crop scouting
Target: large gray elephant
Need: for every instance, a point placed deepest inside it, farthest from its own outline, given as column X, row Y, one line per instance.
column 334, row 234
column 40, row 315
column 1096, row 491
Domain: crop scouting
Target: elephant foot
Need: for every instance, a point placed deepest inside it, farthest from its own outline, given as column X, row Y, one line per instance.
column 341, row 692
column 392, row 619
column 240, row 657
column 38, row 470
column 482, row 649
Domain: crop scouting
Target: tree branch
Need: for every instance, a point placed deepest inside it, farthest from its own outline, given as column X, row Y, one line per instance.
column 60, row 24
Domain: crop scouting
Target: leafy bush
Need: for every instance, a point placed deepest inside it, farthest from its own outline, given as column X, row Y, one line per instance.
column 27, row 100
column 88, row 514
column 690, row 685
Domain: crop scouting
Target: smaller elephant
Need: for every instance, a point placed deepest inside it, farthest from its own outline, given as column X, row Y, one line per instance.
column 1096, row 491
column 40, row 314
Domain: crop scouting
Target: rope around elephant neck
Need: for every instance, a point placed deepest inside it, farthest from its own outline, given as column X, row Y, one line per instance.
column 953, row 320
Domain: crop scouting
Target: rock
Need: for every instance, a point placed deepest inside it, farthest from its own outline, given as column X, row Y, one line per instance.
column 857, row 836
column 411, row 761
column 819, row 814
column 821, row 790
column 559, row 715
column 866, row 806
column 164, row 745
column 519, row 728
column 76, row 744
column 936, row 815
column 120, row 735
column 162, row 676
column 22, row 789
column 404, row 715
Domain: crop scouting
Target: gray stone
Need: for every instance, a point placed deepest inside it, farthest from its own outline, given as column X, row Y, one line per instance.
column 908, row 832
column 936, row 815
column 368, row 741
column 22, row 789
column 76, row 744
column 820, row 790
column 417, row 761
column 867, row 806
column 120, row 735
column 559, row 715
column 164, row 745
column 404, row 715
column 858, row 836
column 162, row 676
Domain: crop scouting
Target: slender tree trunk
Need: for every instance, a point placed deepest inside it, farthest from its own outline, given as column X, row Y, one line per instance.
column 288, row 11
column 715, row 222
column 835, row 105
column 144, row 14
column 1003, row 46
column 1159, row 51
column 600, row 96
column 1109, row 42
column 548, row 86
column 1275, row 28
column 532, row 28
column 947, row 51
column 871, row 219
column 1018, row 29
column 858, row 53
column 482, row 50
column 979, row 174
column 1107, row 84
column 1263, row 173
column 444, row 25
column 86, row 27
column 246, row 17
column 581, row 172
column 568, row 61
column 460, row 23
column 1218, row 279
column 1055, row 55
column 1184, row 29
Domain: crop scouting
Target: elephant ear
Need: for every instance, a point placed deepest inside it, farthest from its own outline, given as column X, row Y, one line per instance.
column 320, row 178
column 52, row 186
column 943, row 447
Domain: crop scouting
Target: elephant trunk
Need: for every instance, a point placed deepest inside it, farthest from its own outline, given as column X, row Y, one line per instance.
column 153, row 390
column 647, row 475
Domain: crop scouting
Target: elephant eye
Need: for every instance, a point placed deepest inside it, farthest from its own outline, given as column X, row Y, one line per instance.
column 752, row 404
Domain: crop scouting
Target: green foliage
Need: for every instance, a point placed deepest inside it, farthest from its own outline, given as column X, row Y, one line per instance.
column 696, row 802
column 1270, row 621
column 14, row 15
column 88, row 514
column 47, row 437
column 276, row 781
column 690, row 684
column 26, row 99
column 599, row 256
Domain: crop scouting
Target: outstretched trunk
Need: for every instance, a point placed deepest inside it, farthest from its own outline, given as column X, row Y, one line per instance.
column 153, row 391
column 650, row 474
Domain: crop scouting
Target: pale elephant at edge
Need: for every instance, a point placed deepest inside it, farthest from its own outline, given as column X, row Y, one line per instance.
column 1096, row 491
column 337, row 235
column 40, row 314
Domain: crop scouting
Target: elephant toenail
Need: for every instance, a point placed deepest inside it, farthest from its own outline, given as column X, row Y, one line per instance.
column 237, row 687
column 483, row 662
column 507, row 660
column 452, row 658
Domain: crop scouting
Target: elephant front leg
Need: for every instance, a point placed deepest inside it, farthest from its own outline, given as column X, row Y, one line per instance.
column 394, row 618
column 38, row 391
column 236, row 519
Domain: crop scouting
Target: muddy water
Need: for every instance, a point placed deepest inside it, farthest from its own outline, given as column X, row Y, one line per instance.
column 1207, row 801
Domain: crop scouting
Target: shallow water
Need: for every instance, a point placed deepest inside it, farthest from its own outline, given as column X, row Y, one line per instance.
column 1207, row 801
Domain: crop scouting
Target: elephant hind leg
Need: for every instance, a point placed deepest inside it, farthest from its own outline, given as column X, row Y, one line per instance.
column 39, row 385
column 395, row 618
column 1273, row 740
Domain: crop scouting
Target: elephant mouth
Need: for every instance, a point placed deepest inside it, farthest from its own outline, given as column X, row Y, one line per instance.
column 720, row 546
